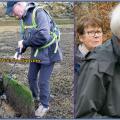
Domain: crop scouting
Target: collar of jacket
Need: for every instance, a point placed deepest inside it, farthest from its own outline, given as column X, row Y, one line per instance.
column 79, row 53
column 116, row 46
column 103, row 53
column 83, row 49
column 29, row 5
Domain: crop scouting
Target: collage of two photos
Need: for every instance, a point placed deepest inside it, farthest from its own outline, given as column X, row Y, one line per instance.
column 97, row 60
column 59, row 60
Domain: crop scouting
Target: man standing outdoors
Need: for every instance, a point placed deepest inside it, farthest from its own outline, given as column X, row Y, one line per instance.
column 37, row 33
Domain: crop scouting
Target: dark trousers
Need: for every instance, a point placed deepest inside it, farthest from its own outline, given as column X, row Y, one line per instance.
column 40, row 88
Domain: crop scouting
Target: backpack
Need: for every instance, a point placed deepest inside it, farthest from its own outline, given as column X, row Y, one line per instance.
column 54, row 31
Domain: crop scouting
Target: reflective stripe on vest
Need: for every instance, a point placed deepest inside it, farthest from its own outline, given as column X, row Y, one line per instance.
column 55, row 39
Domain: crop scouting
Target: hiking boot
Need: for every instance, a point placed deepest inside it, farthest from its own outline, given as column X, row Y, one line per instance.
column 41, row 111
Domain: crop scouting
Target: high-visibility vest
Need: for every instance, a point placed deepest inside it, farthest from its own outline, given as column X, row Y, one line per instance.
column 56, row 37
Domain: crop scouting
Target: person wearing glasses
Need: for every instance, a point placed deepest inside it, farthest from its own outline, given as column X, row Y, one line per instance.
column 98, row 85
column 90, row 35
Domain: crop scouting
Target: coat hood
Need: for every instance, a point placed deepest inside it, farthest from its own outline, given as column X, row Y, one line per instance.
column 116, row 45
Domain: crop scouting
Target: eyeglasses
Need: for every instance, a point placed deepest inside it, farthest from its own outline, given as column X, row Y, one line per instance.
column 93, row 33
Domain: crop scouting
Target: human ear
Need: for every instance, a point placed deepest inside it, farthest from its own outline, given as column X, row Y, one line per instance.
column 80, row 37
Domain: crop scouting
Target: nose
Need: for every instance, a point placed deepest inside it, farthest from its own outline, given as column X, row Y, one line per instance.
column 96, row 34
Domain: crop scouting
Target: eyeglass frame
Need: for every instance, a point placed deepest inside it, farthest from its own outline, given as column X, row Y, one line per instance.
column 99, row 33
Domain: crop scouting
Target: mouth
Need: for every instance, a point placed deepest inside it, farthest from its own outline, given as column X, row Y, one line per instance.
column 96, row 41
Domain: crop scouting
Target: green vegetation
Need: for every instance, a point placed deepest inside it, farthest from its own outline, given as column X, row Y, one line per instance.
column 19, row 96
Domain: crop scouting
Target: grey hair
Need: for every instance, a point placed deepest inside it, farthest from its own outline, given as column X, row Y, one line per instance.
column 115, row 21
column 27, row 5
column 24, row 3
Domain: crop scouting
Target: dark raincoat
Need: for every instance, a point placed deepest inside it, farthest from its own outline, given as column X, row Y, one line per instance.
column 98, row 86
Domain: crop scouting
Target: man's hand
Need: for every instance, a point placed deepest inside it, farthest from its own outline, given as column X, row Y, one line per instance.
column 20, row 44
column 16, row 56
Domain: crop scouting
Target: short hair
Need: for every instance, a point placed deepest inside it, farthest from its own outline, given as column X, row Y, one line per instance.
column 115, row 21
column 87, row 21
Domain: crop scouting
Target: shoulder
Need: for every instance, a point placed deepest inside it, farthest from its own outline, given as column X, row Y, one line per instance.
column 103, row 59
column 104, row 52
column 41, row 14
column 39, row 11
column 79, row 54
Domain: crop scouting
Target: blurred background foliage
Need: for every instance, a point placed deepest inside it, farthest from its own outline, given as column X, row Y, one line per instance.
column 62, row 12
column 99, row 9
column 57, row 9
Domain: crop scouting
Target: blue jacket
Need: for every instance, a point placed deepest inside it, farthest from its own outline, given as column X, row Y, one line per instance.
column 38, row 37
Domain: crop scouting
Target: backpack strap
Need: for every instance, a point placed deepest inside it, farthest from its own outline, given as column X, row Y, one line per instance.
column 55, row 33
column 56, row 38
